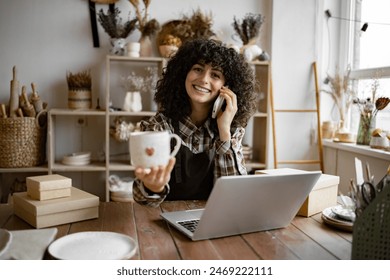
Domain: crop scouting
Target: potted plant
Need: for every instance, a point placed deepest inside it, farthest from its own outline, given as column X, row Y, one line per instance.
column 368, row 109
column 342, row 94
column 175, row 32
column 79, row 90
column 134, row 85
column 248, row 31
column 147, row 27
column 118, row 31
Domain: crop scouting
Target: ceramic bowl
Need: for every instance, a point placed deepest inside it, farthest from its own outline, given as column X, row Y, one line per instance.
column 379, row 143
column 82, row 158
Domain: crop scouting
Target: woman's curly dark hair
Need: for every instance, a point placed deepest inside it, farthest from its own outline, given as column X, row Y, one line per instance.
column 171, row 95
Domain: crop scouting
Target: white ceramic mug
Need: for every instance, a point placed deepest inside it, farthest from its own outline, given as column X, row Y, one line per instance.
column 152, row 148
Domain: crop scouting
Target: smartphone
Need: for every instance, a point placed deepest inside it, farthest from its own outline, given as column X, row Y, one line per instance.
column 217, row 106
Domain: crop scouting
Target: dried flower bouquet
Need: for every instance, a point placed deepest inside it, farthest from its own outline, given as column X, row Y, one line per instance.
column 113, row 26
column 249, row 28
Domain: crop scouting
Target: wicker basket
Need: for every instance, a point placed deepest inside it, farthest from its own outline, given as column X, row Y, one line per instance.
column 22, row 142
column 371, row 231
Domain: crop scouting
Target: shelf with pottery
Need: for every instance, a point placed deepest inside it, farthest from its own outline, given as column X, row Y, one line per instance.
column 117, row 150
column 55, row 154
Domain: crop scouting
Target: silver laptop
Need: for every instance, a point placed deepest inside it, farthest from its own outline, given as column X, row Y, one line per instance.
column 247, row 203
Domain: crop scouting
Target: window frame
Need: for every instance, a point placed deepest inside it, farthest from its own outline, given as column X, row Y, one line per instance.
column 346, row 54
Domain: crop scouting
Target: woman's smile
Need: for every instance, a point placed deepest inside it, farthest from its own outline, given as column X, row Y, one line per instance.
column 201, row 89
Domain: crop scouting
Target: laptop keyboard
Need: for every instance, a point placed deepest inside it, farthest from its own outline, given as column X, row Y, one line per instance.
column 190, row 224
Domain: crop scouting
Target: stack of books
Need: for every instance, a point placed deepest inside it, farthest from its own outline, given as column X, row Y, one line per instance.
column 51, row 200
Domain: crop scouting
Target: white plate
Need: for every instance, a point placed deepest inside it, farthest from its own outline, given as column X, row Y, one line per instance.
column 5, row 241
column 79, row 156
column 84, row 162
column 93, row 245
column 331, row 216
column 344, row 213
column 82, row 158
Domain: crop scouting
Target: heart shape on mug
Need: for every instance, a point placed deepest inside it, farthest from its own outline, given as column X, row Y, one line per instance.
column 149, row 151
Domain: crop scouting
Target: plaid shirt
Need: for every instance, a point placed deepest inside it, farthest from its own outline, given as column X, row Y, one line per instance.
column 228, row 160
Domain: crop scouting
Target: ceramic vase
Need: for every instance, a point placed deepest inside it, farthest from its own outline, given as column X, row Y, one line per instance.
column 117, row 46
column 132, row 102
column 146, row 46
column 133, row 49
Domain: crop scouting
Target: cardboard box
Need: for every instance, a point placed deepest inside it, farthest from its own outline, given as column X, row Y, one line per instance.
column 48, row 186
column 77, row 207
column 49, row 194
column 322, row 196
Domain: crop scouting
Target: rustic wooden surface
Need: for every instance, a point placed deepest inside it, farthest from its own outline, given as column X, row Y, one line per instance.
column 304, row 238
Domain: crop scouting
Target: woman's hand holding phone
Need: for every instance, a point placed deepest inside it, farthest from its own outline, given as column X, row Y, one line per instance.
column 217, row 106
column 224, row 119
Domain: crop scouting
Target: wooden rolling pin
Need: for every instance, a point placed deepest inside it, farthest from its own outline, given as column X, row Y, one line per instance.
column 14, row 94
column 3, row 111
column 36, row 100
column 28, row 108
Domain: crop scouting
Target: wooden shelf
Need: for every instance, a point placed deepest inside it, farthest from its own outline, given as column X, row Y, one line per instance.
column 42, row 168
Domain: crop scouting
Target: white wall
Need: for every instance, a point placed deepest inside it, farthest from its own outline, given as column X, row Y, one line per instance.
column 294, row 49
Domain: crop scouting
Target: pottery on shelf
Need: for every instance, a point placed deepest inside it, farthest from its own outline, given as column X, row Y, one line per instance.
column 167, row 50
column 133, row 49
column 146, row 46
column 132, row 102
column 117, row 46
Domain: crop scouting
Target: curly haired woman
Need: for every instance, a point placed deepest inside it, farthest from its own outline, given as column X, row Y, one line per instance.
column 199, row 72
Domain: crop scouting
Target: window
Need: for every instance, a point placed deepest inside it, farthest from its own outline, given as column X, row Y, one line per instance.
column 369, row 54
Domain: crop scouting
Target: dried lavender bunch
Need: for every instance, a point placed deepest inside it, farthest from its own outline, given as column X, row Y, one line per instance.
column 112, row 24
column 249, row 28
column 79, row 81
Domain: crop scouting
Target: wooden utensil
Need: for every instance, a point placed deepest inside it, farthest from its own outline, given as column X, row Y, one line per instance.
column 14, row 94
column 28, row 108
column 36, row 100
column 3, row 111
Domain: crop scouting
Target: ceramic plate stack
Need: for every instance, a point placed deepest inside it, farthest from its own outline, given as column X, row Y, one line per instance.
column 339, row 217
column 82, row 158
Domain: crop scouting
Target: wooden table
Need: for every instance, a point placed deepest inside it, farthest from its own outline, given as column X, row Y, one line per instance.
column 304, row 238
